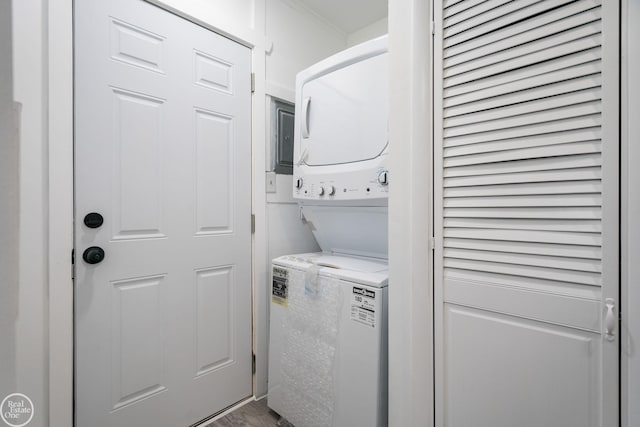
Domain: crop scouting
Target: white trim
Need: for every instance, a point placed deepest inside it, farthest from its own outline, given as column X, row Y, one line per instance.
column 610, row 411
column 260, row 244
column 630, row 210
column 60, row 202
column 410, row 260
column 438, row 221
column 249, row 37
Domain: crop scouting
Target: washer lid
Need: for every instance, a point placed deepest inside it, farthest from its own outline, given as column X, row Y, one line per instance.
column 372, row 272
column 343, row 115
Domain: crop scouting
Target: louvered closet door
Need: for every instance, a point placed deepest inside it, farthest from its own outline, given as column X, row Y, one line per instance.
column 526, row 211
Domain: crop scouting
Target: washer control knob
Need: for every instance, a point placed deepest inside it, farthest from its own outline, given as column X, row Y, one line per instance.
column 383, row 177
column 321, row 191
column 299, row 183
column 332, row 190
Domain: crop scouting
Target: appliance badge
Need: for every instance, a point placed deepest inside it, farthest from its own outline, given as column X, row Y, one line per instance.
column 363, row 306
column 280, row 286
column 364, row 292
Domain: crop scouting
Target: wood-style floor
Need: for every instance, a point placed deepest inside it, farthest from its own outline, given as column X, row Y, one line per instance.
column 253, row 414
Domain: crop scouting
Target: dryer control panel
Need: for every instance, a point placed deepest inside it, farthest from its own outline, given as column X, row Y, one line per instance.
column 363, row 185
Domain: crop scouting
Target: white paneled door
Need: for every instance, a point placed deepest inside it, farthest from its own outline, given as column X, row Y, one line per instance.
column 526, row 213
column 162, row 218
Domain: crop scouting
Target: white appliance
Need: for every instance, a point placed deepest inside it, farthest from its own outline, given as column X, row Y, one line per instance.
column 328, row 341
column 340, row 149
column 328, row 322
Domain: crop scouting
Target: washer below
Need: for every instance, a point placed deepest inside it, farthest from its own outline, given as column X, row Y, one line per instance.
column 328, row 340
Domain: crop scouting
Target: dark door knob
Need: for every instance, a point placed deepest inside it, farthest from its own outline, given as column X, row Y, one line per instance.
column 93, row 220
column 93, row 255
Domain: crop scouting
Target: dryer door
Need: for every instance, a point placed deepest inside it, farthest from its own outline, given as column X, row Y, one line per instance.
column 344, row 115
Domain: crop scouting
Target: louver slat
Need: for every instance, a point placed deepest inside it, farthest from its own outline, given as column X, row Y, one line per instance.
column 522, row 142
column 509, row 31
column 536, row 33
column 462, row 35
column 461, row 7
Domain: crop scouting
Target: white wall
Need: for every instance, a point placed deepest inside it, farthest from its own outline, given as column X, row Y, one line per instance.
column 9, row 186
column 371, row 31
column 630, row 228
column 295, row 39
column 30, row 304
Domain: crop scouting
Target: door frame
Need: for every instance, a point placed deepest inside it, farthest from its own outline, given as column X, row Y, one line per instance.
column 630, row 207
column 58, row 18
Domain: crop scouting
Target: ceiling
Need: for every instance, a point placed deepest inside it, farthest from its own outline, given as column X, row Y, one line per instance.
column 349, row 15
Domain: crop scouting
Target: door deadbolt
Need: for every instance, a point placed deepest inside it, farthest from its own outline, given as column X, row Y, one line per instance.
column 93, row 220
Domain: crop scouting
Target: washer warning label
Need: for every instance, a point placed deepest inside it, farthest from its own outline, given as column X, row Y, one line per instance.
column 363, row 306
column 280, row 286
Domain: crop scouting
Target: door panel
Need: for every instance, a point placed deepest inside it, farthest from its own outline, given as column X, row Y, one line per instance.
column 162, row 152
column 526, row 213
column 517, row 359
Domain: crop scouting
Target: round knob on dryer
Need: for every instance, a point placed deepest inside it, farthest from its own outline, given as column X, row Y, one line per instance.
column 321, row 191
column 299, row 183
column 332, row 190
column 383, row 177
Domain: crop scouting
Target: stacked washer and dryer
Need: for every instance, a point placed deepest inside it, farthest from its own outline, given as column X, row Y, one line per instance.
column 328, row 318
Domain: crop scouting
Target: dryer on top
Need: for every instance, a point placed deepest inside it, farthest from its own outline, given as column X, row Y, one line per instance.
column 341, row 128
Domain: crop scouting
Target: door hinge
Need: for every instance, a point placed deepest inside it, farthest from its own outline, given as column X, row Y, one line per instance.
column 253, row 224
column 432, row 243
column 253, row 82
column 73, row 264
column 433, row 28
column 253, row 363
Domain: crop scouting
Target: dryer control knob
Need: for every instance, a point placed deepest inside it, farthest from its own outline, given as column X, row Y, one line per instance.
column 321, row 191
column 332, row 190
column 299, row 183
column 383, row 177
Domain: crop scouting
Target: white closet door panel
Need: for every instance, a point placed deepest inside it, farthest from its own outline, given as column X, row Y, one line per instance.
column 487, row 14
column 574, row 238
column 512, row 100
column 575, row 187
column 464, row 34
column 461, row 6
column 504, row 56
column 566, row 200
column 534, row 284
column 578, row 277
column 474, row 15
column 565, row 68
column 566, row 310
column 527, row 130
column 510, row 31
column 537, row 103
column 554, row 261
column 541, row 30
column 587, row 226
column 585, row 173
column 525, row 165
column 525, row 133
column 584, row 147
column 546, row 139
column 557, row 51
column 530, row 213
column 562, row 250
